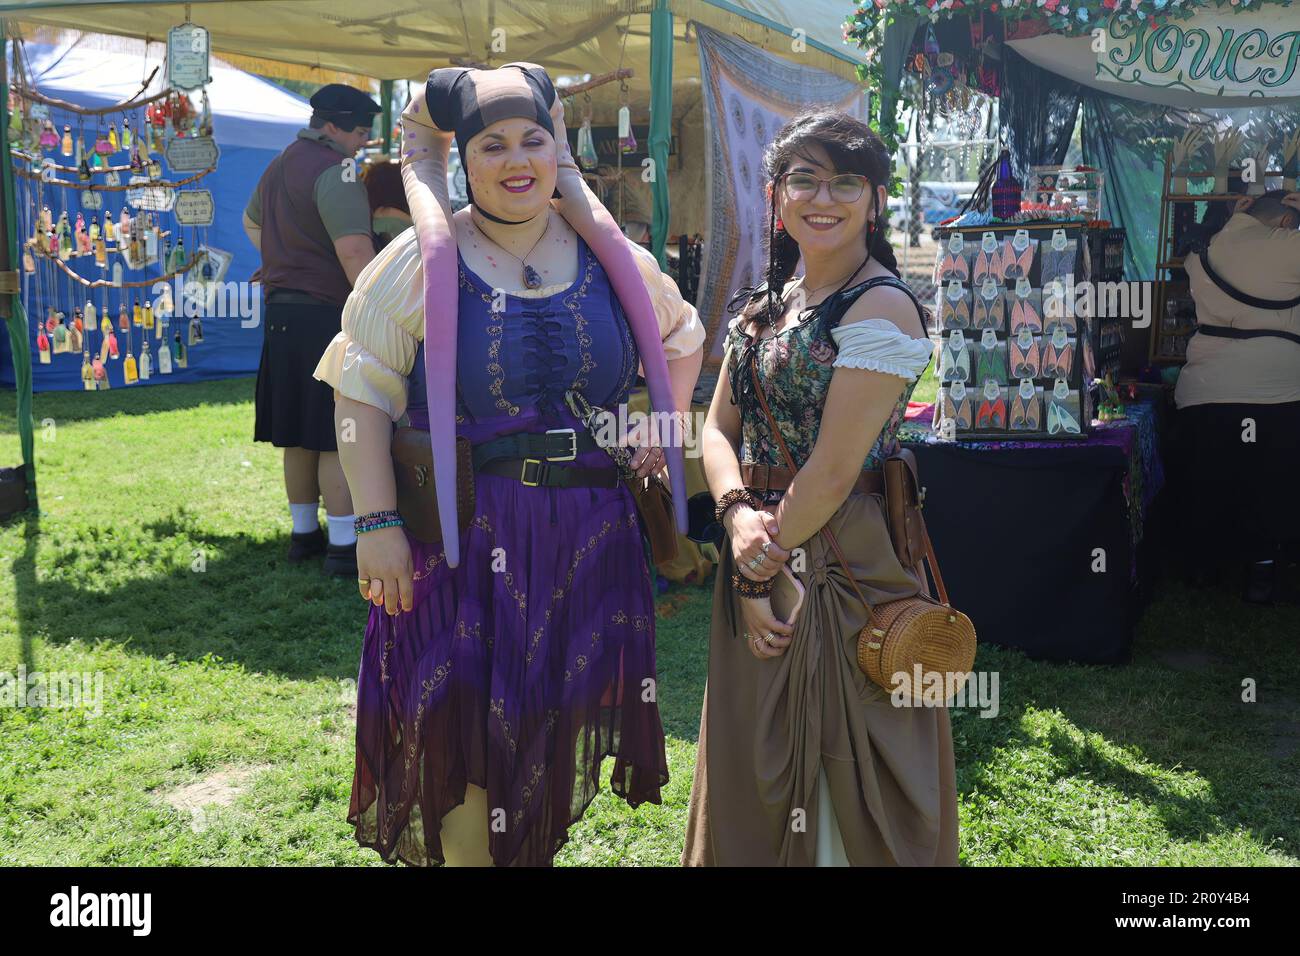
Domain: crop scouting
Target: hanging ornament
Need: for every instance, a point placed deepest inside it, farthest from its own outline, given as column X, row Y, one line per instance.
column 67, row 140
column 65, row 236
column 108, row 226
column 178, row 256
column 137, row 315
column 101, row 374
column 205, row 115
column 49, row 138
column 60, row 336
column 74, row 336
column 148, row 315
column 180, row 353
column 129, row 374
column 29, row 264
column 146, row 363
column 101, row 253
column 50, row 320
column 43, row 347
column 15, row 113
column 102, row 145
column 196, row 331
column 164, row 358
column 83, row 169
column 151, row 240
column 112, row 138
column 586, row 146
column 123, row 320
column 127, row 138
column 83, row 239
column 626, row 141
column 137, row 164
column 77, row 156
column 111, row 342
column 123, row 227
column 87, row 372
column 77, row 323
column 90, row 314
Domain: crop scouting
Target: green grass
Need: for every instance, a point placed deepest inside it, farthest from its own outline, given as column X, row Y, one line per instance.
column 247, row 664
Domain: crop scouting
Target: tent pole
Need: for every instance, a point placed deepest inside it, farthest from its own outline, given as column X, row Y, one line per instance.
column 661, row 124
column 11, row 306
column 386, row 96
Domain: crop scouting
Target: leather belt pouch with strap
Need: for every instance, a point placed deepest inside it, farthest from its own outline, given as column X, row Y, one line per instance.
column 903, row 508
column 417, row 499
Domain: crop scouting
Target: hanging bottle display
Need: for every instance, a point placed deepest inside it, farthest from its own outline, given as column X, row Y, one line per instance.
column 67, row 141
column 146, row 363
column 127, row 139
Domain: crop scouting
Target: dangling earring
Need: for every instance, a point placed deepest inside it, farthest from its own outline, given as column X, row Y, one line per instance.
column 780, row 226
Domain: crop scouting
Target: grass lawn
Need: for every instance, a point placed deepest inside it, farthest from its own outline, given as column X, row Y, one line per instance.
column 225, row 733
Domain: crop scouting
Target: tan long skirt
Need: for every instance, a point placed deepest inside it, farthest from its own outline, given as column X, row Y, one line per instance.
column 773, row 731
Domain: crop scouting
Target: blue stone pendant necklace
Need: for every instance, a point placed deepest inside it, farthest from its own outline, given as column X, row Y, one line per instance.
column 532, row 279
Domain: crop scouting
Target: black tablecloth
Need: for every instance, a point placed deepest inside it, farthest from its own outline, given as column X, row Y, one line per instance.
column 1017, row 532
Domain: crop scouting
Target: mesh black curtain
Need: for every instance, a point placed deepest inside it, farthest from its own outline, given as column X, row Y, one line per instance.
column 1037, row 113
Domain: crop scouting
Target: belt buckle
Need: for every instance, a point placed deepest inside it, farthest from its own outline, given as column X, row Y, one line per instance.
column 523, row 472
column 573, row 444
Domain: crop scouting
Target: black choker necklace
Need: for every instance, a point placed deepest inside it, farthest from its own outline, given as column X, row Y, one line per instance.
column 505, row 222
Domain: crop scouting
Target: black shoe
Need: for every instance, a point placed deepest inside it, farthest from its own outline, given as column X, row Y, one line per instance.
column 1260, row 577
column 341, row 559
column 306, row 545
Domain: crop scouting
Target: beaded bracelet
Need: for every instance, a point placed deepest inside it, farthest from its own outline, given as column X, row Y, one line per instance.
column 751, row 589
column 735, row 496
column 376, row 520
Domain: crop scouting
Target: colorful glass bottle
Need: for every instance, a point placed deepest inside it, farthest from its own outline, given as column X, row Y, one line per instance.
column 146, row 362
column 67, row 140
column 1006, row 189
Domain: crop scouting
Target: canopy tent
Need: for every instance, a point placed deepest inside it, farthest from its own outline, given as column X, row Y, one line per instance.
column 398, row 39
column 252, row 121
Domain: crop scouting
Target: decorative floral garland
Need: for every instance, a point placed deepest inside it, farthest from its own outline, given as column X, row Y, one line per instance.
column 1063, row 16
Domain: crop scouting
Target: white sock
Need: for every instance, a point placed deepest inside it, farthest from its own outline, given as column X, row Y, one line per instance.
column 342, row 530
column 304, row 517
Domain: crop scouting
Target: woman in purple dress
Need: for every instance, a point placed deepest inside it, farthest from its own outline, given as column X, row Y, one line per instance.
column 494, row 682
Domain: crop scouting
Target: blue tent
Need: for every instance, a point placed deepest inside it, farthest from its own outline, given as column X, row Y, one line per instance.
column 252, row 121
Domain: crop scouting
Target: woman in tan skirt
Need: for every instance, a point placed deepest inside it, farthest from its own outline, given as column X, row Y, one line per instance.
column 802, row 760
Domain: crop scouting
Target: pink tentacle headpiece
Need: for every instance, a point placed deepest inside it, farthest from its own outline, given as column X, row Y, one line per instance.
column 459, row 101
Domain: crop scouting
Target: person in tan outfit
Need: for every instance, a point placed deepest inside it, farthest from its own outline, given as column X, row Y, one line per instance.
column 802, row 760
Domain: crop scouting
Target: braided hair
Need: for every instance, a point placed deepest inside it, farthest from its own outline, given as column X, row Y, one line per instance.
column 853, row 147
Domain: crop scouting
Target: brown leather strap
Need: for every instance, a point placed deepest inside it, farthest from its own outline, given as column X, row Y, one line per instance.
column 825, row 529
column 761, row 477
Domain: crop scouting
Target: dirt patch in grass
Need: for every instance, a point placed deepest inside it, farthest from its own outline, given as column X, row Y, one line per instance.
column 218, row 789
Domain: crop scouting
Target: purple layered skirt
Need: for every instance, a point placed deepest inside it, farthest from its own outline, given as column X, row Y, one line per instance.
column 518, row 672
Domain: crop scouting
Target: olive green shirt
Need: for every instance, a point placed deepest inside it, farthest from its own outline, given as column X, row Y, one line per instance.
column 341, row 200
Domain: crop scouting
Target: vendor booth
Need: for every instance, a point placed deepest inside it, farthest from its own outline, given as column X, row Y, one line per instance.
column 1042, row 455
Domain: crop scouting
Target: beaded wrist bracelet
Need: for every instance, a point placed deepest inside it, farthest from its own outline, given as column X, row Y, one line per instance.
column 752, row 589
column 735, row 496
column 376, row 520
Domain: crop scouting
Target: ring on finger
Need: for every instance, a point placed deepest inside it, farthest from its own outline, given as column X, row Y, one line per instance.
column 767, row 638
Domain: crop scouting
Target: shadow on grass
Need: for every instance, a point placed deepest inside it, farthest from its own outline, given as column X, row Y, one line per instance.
column 233, row 597
column 68, row 407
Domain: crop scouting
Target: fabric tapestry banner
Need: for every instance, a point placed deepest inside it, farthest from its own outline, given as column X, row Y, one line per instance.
column 748, row 96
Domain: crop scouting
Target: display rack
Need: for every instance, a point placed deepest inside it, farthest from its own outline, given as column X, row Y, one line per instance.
column 1009, row 331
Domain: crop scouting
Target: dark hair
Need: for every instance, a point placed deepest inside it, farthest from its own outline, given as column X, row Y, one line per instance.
column 852, row 147
column 384, row 187
column 1269, row 208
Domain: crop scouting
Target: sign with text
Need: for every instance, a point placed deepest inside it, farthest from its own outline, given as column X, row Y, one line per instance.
column 191, row 154
column 151, row 198
column 1214, row 53
column 187, row 56
column 194, row 207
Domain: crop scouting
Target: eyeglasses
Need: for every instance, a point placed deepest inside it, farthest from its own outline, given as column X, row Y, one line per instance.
column 846, row 187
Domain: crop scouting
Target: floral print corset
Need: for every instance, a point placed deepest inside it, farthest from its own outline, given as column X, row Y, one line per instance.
column 795, row 369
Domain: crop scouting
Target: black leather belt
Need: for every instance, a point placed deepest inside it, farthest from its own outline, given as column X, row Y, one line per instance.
column 556, row 444
column 534, row 472
column 528, row 456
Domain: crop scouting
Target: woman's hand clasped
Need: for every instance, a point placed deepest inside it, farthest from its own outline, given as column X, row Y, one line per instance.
column 764, row 634
column 384, row 569
column 753, row 543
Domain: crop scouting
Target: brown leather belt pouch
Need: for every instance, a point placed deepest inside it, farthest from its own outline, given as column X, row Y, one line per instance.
column 903, row 508
column 417, row 499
